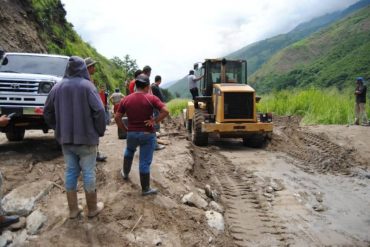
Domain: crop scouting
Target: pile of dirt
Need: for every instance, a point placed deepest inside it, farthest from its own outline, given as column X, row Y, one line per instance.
column 315, row 152
column 18, row 28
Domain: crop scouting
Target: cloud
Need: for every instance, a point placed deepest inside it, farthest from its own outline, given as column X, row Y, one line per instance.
column 171, row 35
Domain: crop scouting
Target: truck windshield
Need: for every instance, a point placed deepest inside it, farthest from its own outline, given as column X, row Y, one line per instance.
column 235, row 72
column 34, row 64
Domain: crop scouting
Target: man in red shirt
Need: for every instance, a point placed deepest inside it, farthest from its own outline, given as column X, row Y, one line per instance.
column 131, row 86
column 139, row 108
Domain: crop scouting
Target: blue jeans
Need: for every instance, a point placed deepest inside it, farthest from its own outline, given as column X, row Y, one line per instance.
column 80, row 158
column 146, row 141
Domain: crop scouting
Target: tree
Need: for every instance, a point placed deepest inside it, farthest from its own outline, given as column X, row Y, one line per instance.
column 167, row 94
column 127, row 64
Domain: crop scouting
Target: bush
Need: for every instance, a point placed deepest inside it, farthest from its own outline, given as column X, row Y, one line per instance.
column 176, row 106
column 327, row 106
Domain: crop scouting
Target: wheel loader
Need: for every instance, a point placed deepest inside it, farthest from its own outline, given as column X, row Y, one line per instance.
column 227, row 105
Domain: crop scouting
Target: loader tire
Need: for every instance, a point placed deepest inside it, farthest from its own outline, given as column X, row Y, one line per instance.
column 255, row 141
column 16, row 135
column 198, row 137
column 188, row 125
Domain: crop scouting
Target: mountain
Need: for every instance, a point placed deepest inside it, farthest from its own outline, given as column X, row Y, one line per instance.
column 334, row 56
column 260, row 52
column 40, row 26
column 168, row 84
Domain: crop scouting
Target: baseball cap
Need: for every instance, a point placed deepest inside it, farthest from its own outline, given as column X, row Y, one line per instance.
column 359, row 79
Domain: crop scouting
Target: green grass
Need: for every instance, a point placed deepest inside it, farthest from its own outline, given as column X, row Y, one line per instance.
column 328, row 106
column 176, row 106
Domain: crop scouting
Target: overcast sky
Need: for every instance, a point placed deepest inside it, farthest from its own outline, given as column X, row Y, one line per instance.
column 170, row 35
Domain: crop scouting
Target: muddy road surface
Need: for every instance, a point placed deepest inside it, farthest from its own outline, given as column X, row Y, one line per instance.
column 308, row 187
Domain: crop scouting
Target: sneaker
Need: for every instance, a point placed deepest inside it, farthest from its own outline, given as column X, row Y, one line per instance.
column 159, row 147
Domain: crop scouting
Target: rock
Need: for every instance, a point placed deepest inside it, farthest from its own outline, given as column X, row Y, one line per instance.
column 35, row 222
column 5, row 238
column 157, row 241
column 211, row 193
column 268, row 195
column 193, row 199
column 20, row 238
column 19, row 225
column 21, row 200
column 319, row 207
column 277, row 185
column 269, row 189
column 216, row 207
column 319, row 197
column 215, row 220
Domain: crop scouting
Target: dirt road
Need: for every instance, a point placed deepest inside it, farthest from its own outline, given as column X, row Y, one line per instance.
column 308, row 187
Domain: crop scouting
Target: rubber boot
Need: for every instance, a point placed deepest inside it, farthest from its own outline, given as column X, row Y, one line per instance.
column 8, row 220
column 93, row 206
column 74, row 208
column 145, row 185
column 126, row 168
column 100, row 157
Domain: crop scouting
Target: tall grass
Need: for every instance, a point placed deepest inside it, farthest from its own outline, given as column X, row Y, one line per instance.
column 176, row 106
column 327, row 106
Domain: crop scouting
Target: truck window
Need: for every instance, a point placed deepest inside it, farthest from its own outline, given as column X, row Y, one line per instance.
column 34, row 64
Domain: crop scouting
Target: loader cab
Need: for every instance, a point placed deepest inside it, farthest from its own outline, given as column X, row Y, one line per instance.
column 217, row 71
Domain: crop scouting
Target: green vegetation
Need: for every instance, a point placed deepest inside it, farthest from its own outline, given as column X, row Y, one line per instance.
column 329, row 106
column 61, row 38
column 333, row 57
column 181, row 88
column 176, row 106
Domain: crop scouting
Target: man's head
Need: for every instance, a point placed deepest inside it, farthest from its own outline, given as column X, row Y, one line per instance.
column 137, row 73
column 147, row 70
column 191, row 72
column 360, row 80
column 158, row 79
column 142, row 83
column 90, row 64
column 116, row 90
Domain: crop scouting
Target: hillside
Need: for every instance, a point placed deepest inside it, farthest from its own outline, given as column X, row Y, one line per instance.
column 260, row 52
column 331, row 57
column 40, row 26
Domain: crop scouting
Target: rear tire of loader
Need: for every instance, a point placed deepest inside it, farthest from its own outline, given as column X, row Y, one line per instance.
column 188, row 125
column 255, row 141
column 198, row 137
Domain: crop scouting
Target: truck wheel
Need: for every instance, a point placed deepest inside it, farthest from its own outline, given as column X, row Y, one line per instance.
column 188, row 125
column 198, row 137
column 15, row 135
column 255, row 141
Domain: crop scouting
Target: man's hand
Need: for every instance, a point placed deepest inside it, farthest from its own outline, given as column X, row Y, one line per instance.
column 150, row 123
column 4, row 121
column 118, row 120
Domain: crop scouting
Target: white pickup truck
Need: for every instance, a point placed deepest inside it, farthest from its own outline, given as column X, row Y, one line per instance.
column 25, row 81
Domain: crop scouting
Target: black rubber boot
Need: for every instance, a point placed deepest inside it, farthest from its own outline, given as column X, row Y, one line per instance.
column 126, row 168
column 145, row 185
column 8, row 220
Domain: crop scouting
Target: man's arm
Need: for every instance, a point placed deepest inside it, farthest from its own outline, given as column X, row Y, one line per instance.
column 49, row 109
column 199, row 78
column 98, row 112
column 163, row 112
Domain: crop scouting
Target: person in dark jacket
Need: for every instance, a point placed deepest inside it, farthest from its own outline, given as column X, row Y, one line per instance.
column 74, row 110
column 6, row 220
column 157, row 92
column 360, row 107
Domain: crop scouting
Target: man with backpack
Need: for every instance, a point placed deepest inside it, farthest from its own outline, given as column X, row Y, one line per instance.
column 360, row 107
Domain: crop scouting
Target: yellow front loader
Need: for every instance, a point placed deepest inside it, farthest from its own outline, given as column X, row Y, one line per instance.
column 227, row 106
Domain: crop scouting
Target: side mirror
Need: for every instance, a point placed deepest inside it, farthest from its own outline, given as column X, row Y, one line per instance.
column 258, row 98
column 196, row 66
column 2, row 53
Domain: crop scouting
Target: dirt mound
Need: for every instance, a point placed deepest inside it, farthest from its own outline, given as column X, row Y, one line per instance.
column 315, row 152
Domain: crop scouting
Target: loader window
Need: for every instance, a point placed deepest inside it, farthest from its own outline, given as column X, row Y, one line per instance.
column 234, row 72
column 216, row 73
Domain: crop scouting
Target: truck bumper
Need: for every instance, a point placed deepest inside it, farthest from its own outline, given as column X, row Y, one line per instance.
column 237, row 128
column 30, row 117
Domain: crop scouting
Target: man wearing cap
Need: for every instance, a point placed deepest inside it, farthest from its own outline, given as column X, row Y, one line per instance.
column 5, row 220
column 74, row 110
column 360, row 111
column 192, row 80
column 90, row 64
column 139, row 108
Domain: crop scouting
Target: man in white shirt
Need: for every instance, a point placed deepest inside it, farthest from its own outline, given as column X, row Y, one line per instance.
column 192, row 80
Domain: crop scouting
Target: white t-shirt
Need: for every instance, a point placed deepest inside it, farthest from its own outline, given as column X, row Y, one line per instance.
column 192, row 81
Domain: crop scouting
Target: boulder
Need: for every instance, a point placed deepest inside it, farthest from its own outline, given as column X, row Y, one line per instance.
column 19, row 225
column 211, row 193
column 216, row 207
column 193, row 199
column 21, row 201
column 20, row 238
column 5, row 238
column 215, row 220
column 35, row 221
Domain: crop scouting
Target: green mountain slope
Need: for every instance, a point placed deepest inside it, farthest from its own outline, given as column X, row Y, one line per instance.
column 40, row 26
column 180, row 89
column 331, row 57
column 260, row 52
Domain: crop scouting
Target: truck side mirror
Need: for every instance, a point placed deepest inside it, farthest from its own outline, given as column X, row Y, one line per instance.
column 196, row 66
column 258, row 99
column 2, row 53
